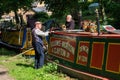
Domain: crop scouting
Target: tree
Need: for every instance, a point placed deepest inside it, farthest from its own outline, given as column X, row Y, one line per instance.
column 1, row 8
column 61, row 7
column 14, row 5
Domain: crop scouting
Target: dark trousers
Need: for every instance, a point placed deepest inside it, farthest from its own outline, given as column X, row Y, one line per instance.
column 39, row 54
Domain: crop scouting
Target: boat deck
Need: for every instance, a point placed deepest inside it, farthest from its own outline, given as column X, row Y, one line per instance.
column 88, row 34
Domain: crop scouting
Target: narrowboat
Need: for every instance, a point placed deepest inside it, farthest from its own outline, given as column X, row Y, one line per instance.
column 86, row 55
column 81, row 54
column 20, row 39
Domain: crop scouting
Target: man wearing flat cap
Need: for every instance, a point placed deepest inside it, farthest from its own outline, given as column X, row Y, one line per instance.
column 37, row 42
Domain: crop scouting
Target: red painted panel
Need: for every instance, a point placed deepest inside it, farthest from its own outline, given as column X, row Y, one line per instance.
column 97, row 55
column 62, row 48
column 83, row 49
column 113, row 58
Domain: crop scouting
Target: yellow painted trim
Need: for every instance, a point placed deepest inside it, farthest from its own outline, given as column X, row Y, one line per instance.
column 13, row 38
column 107, row 59
column 78, row 52
column 92, row 55
column 31, row 52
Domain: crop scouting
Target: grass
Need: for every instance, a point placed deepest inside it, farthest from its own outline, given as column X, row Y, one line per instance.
column 21, row 68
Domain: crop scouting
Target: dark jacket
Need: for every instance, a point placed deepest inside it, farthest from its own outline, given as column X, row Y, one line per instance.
column 70, row 25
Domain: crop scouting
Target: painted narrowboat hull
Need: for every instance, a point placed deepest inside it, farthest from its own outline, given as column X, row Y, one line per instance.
column 17, row 39
column 21, row 39
column 87, row 52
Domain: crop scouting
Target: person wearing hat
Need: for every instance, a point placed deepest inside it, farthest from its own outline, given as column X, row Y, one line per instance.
column 37, row 42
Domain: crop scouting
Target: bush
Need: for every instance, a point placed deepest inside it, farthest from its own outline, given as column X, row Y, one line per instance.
column 41, row 16
column 113, row 9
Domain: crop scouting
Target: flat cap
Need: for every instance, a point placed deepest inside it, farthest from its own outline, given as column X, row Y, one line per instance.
column 38, row 22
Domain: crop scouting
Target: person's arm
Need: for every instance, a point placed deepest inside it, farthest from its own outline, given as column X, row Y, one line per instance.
column 41, row 33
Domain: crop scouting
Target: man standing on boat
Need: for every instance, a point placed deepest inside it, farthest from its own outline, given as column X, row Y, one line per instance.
column 70, row 23
column 37, row 42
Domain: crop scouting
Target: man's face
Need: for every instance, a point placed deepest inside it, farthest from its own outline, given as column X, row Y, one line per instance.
column 68, row 18
column 39, row 25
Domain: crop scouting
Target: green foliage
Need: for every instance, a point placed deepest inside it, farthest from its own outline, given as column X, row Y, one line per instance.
column 86, row 13
column 61, row 7
column 4, row 51
column 51, row 67
column 21, row 68
column 28, row 73
column 7, row 6
column 112, row 11
column 41, row 16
